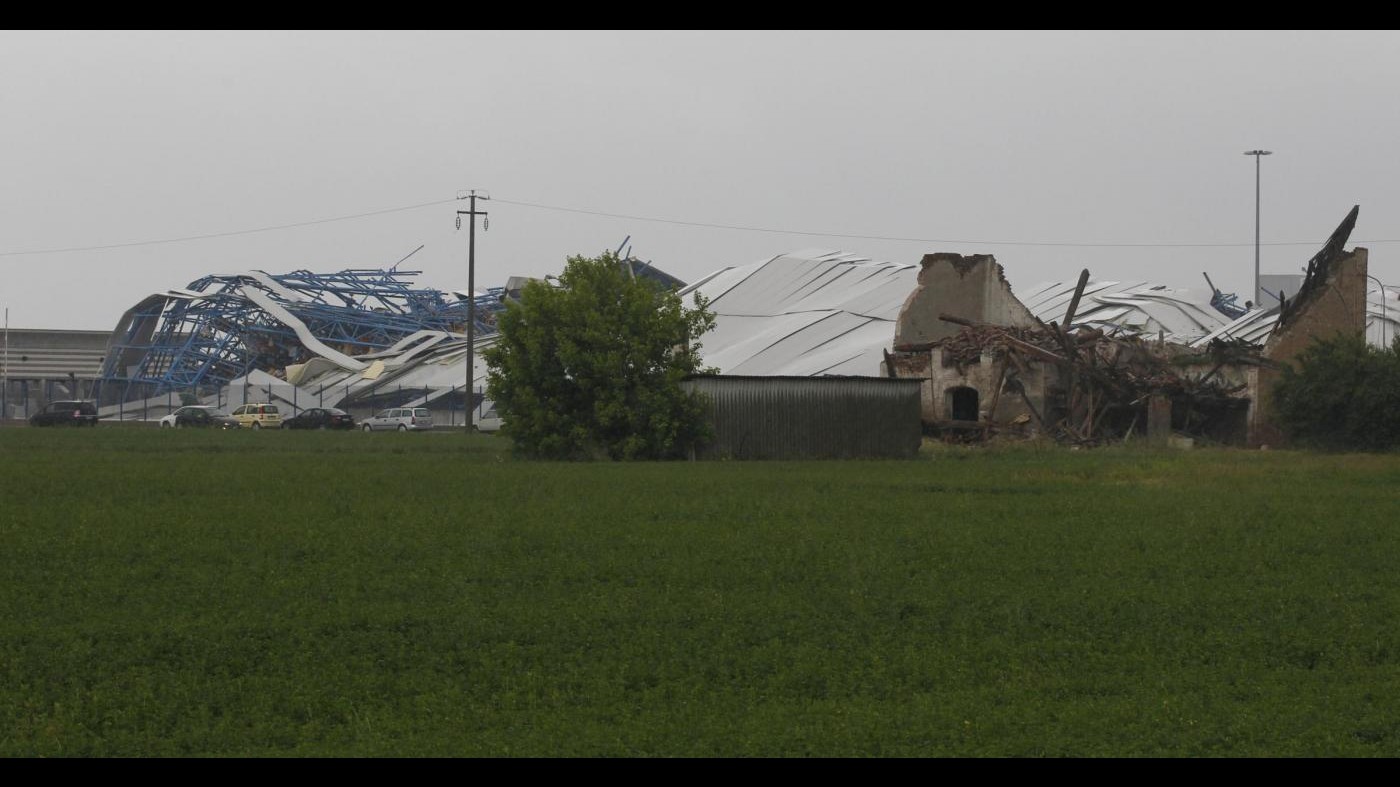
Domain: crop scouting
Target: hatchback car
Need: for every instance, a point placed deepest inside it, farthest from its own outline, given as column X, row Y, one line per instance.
column 403, row 419
column 199, row 417
column 258, row 416
column 320, row 418
column 66, row 413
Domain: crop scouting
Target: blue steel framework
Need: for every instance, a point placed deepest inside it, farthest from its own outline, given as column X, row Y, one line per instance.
column 201, row 343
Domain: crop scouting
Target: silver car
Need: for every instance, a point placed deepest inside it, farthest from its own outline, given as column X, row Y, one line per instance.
column 404, row 419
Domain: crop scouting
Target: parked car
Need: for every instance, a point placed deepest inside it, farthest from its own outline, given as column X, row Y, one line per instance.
column 404, row 419
column 66, row 413
column 258, row 416
column 489, row 421
column 320, row 418
column 198, row 416
column 168, row 421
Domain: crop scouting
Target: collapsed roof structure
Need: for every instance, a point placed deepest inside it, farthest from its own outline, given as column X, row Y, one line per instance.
column 803, row 314
column 223, row 327
column 826, row 312
column 359, row 338
column 818, row 311
column 368, row 338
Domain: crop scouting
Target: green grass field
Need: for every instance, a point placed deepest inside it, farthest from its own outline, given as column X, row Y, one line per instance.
column 190, row 593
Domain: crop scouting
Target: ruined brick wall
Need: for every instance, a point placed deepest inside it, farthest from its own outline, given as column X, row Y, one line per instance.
column 927, row 365
column 972, row 287
column 1338, row 307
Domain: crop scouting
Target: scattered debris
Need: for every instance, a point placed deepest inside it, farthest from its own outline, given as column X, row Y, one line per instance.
column 1101, row 383
column 989, row 370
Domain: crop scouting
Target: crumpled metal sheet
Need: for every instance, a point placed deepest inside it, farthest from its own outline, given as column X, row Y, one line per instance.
column 804, row 313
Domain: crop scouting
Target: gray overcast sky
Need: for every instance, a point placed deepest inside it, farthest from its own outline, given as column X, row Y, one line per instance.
column 1078, row 138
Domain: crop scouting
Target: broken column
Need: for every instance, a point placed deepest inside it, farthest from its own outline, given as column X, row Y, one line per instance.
column 1331, row 301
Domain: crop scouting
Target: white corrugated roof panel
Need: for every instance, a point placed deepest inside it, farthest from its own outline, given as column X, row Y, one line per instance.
column 808, row 312
column 1180, row 316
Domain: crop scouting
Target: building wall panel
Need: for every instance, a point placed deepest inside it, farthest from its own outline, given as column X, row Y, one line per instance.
column 810, row 417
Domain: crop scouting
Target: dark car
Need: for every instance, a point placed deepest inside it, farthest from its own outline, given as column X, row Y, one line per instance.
column 203, row 418
column 320, row 418
column 67, row 413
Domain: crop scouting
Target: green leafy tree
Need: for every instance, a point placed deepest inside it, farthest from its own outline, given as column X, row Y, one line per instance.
column 593, row 366
column 1343, row 394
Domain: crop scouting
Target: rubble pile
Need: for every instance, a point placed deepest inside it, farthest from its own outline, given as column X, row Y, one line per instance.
column 1105, row 382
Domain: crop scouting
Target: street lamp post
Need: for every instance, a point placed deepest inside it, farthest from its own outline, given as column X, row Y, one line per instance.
column 1383, row 315
column 469, row 400
column 1257, row 154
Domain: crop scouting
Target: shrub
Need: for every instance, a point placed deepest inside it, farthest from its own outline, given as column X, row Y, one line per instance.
column 594, row 366
column 1343, row 394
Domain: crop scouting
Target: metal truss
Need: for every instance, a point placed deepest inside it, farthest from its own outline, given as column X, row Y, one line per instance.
column 213, row 331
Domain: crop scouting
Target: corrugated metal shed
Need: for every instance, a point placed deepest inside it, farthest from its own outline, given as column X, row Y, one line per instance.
column 810, row 417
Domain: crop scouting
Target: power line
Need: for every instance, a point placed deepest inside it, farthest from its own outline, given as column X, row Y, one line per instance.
column 654, row 220
column 228, row 234
column 909, row 240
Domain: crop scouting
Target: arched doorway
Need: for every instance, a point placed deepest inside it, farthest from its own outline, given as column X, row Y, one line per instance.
column 962, row 403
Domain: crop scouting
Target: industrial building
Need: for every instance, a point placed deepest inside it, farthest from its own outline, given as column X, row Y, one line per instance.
column 363, row 340
column 41, row 366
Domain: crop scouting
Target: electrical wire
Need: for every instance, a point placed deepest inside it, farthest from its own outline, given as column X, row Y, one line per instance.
column 913, row 240
column 228, row 234
column 700, row 224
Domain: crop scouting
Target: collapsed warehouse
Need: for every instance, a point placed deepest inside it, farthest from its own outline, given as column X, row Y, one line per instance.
column 361, row 340
column 1083, row 361
column 357, row 338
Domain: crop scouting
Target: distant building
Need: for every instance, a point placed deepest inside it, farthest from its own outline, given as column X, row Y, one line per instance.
column 1278, row 287
column 39, row 366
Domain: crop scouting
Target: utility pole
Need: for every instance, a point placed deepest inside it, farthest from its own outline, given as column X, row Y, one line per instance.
column 5, row 374
column 1258, row 156
column 469, row 401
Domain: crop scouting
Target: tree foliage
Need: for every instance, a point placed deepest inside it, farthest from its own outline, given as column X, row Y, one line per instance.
column 1343, row 394
column 593, row 366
